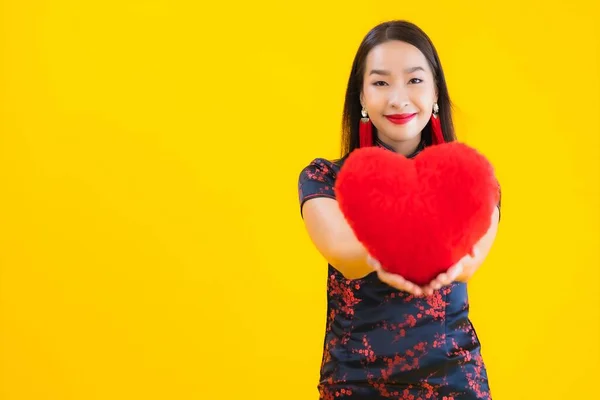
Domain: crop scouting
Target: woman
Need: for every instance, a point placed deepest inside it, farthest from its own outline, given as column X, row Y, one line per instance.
column 387, row 337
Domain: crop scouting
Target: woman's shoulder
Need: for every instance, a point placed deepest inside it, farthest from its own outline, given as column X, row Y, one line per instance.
column 321, row 162
column 321, row 167
column 317, row 179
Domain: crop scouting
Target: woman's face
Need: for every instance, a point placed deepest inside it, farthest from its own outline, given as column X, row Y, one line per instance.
column 398, row 92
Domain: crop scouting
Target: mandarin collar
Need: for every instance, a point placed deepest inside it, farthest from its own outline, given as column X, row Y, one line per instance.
column 420, row 147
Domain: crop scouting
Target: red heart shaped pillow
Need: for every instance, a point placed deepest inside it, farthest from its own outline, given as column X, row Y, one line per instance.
column 418, row 216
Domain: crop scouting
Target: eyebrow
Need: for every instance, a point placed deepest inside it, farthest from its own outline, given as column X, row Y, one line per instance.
column 386, row 72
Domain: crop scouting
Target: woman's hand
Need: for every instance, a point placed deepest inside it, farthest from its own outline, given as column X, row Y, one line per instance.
column 394, row 280
column 458, row 271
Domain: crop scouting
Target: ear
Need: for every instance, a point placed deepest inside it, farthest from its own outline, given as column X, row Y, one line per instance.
column 362, row 100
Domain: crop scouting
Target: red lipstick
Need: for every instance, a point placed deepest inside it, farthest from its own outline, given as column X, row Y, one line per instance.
column 400, row 119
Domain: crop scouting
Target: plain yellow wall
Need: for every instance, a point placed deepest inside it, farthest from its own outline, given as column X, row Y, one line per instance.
column 151, row 245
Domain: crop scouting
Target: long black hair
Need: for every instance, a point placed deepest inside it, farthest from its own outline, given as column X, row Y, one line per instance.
column 410, row 33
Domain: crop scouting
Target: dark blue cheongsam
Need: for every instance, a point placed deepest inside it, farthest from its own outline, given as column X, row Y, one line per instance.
column 381, row 343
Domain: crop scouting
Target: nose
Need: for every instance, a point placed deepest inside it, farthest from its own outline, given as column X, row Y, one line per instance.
column 398, row 97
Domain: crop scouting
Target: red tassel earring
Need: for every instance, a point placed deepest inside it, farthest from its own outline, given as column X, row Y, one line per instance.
column 437, row 136
column 365, row 130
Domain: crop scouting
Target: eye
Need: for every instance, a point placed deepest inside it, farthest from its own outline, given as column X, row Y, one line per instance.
column 379, row 83
column 415, row 79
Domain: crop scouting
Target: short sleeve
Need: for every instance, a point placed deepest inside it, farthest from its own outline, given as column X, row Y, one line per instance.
column 316, row 180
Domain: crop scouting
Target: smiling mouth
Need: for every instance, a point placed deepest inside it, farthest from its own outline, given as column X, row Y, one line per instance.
column 400, row 119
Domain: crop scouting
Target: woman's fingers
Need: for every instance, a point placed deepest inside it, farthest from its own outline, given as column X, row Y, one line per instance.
column 398, row 282
column 443, row 279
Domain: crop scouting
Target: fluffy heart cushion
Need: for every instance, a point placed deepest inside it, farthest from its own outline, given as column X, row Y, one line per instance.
column 418, row 216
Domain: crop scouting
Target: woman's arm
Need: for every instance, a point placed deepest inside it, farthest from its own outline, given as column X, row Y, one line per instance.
column 335, row 240
column 333, row 237
column 481, row 251
column 463, row 270
column 326, row 225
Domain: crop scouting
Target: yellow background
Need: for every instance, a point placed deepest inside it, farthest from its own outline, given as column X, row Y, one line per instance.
column 151, row 245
